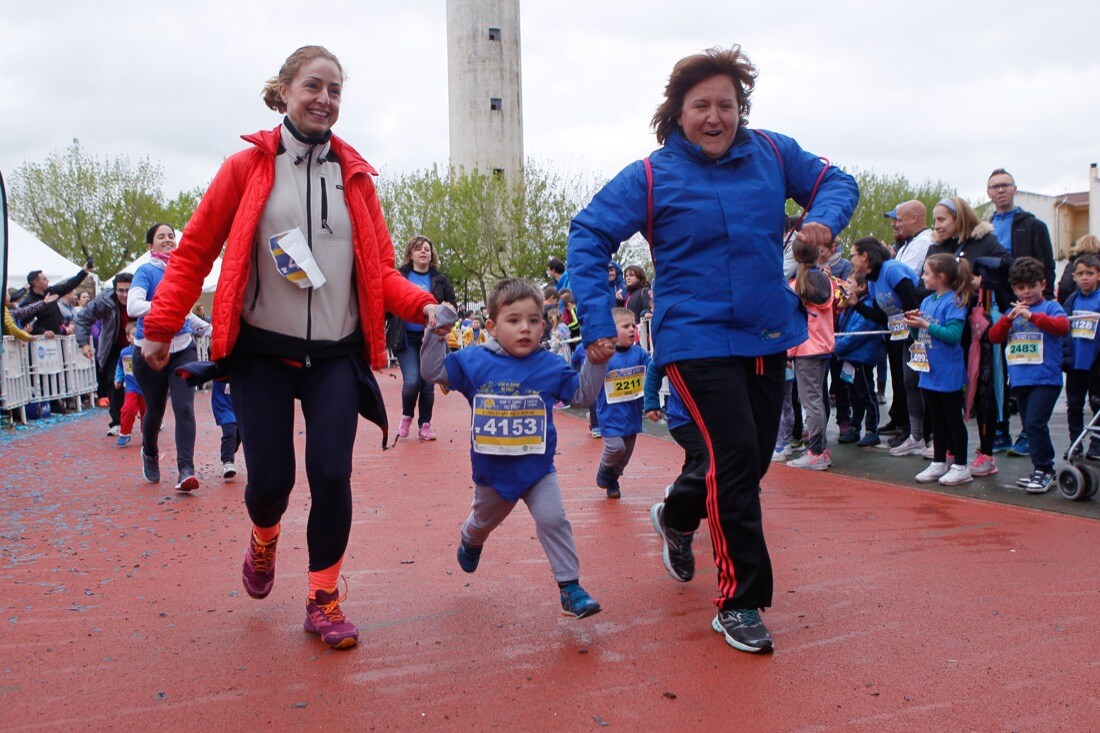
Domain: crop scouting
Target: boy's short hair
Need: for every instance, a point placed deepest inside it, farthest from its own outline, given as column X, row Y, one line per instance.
column 567, row 297
column 549, row 292
column 617, row 313
column 860, row 278
column 1026, row 271
column 511, row 290
column 1088, row 261
column 131, row 326
column 556, row 265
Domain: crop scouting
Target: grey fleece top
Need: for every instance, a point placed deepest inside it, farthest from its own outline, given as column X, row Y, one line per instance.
column 433, row 351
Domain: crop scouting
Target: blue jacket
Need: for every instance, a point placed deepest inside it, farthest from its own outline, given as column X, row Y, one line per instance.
column 623, row 418
column 221, row 404
column 718, row 227
column 676, row 414
column 858, row 349
column 124, row 370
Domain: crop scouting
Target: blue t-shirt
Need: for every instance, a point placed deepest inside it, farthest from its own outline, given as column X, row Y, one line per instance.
column 1084, row 349
column 882, row 289
column 1002, row 228
column 478, row 371
column 124, row 372
column 1023, row 331
column 622, row 418
column 148, row 276
column 424, row 282
column 946, row 369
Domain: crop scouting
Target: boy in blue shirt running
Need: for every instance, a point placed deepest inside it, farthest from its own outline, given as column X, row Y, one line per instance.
column 619, row 404
column 512, row 384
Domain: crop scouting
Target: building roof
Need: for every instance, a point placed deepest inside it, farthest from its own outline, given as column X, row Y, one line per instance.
column 1074, row 199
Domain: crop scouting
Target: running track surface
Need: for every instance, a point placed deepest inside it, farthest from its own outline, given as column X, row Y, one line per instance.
column 895, row 608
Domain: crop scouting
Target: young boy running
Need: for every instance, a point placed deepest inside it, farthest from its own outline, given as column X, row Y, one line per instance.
column 133, row 406
column 1084, row 309
column 619, row 405
column 512, row 383
column 1033, row 329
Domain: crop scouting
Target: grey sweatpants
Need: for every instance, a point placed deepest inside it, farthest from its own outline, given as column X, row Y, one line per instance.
column 617, row 451
column 810, row 373
column 551, row 525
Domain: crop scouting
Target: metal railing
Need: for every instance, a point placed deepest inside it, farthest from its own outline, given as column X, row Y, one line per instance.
column 44, row 370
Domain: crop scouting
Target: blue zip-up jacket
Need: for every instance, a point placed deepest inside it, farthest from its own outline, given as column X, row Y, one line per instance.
column 221, row 404
column 718, row 244
column 124, row 370
column 676, row 414
column 858, row 349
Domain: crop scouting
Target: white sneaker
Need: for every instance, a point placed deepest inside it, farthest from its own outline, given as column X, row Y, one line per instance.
column 113, row 430
column 909, row 447
column 959, row 474
column 779, row 455
column 228, row 470
column 929, row 452
column 813, row 461
column 933, row 473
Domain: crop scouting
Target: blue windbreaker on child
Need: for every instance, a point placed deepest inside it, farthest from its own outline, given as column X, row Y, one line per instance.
column 623, row 414
column 124, row 371
column 858, row 349
column 480, row 375
column 221, row 404
column 676, row 414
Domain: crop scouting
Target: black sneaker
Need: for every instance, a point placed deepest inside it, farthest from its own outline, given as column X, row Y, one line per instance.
column 676, row 551
column 1039, row 482
column 468, row 556
column 897, row 440
column 150, row 468
column 187, row 480
column 892, row 428
column 743, row 630
column 613, row 489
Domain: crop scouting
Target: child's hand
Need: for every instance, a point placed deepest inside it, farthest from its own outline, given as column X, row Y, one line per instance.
column 1019, row 310
column 914, row 319
column 118, row 385
column 601, row 350
column 653, row 415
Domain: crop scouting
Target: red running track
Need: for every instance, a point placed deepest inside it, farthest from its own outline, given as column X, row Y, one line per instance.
column 895, row 610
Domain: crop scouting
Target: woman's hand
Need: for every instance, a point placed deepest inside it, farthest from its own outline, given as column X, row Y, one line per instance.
column 155, row 354
column 815, row 233
column 86, row 349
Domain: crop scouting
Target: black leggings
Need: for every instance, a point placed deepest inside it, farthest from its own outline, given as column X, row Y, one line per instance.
column 944, row 410
column 264, row 390
column 735, row 402
column 156, row 386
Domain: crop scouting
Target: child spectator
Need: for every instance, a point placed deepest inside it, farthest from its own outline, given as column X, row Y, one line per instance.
column 511, row 383
column 811, row 357
column 858, row 356
column 552, row 302
column 690, row 487
column 619, row 405
column 474, row 335
column 1034, row 330
column 559, row 335
column 222, row 407
column 1083, row 305
column 784, row 443
column 569, row 315
column 133, row 404
column 937, row 357
column 454, row 338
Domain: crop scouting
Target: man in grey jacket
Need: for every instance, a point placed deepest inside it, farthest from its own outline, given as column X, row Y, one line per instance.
column 109, row 308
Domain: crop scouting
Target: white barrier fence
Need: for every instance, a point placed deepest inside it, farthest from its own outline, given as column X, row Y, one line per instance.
column 44, row 371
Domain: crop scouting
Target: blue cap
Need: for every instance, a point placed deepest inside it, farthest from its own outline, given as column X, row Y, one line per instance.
column 892, row 214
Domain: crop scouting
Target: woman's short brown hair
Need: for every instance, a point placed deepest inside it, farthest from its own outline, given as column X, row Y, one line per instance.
column 415, row 242
column 692, row 70
column 290, row 68
column 637, row 272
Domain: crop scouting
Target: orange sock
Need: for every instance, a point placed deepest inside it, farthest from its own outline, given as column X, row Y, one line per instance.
column 326, row 579
column 265, row 534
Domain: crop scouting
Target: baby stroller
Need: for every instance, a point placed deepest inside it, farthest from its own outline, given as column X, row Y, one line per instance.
column 1079, row 479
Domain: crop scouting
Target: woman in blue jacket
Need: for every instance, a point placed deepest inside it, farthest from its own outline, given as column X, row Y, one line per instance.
column 711, row 203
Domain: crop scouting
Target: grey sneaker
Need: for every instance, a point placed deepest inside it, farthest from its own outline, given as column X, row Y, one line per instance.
column 743, row 630
column 676, row 546
column 150, row 468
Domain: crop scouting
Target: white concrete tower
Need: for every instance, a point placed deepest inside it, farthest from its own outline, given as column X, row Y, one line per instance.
column 483, row 75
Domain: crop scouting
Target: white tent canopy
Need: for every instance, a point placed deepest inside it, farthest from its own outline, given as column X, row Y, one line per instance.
column 208, row 284
column 27, row 252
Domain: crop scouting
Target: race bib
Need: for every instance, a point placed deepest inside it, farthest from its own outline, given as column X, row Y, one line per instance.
column 128, row 366
column 624, row 385
column 1024, row 348
column 918, row 356
column 898, row 330
column 507, row 425
column 294, row 260
column 1082, row 325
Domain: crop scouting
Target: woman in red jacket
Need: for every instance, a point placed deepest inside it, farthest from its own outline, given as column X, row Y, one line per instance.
column 307, row 275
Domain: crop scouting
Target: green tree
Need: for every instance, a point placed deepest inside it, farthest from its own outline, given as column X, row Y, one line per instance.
column 879, row 193
column 82, row 206
column 485, row 226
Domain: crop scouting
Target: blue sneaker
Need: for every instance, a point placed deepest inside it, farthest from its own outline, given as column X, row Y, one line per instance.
column 868, row 440
column 468, row 556
column 1020, row 447
column 1001, row 442
column 576, row 602
column 851, row 435
column 123, row 441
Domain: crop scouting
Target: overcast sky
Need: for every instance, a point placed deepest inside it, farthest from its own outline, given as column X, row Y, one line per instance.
column 940, row 90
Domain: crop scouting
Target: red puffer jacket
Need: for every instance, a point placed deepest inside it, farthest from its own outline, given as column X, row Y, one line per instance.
column 230, row 213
